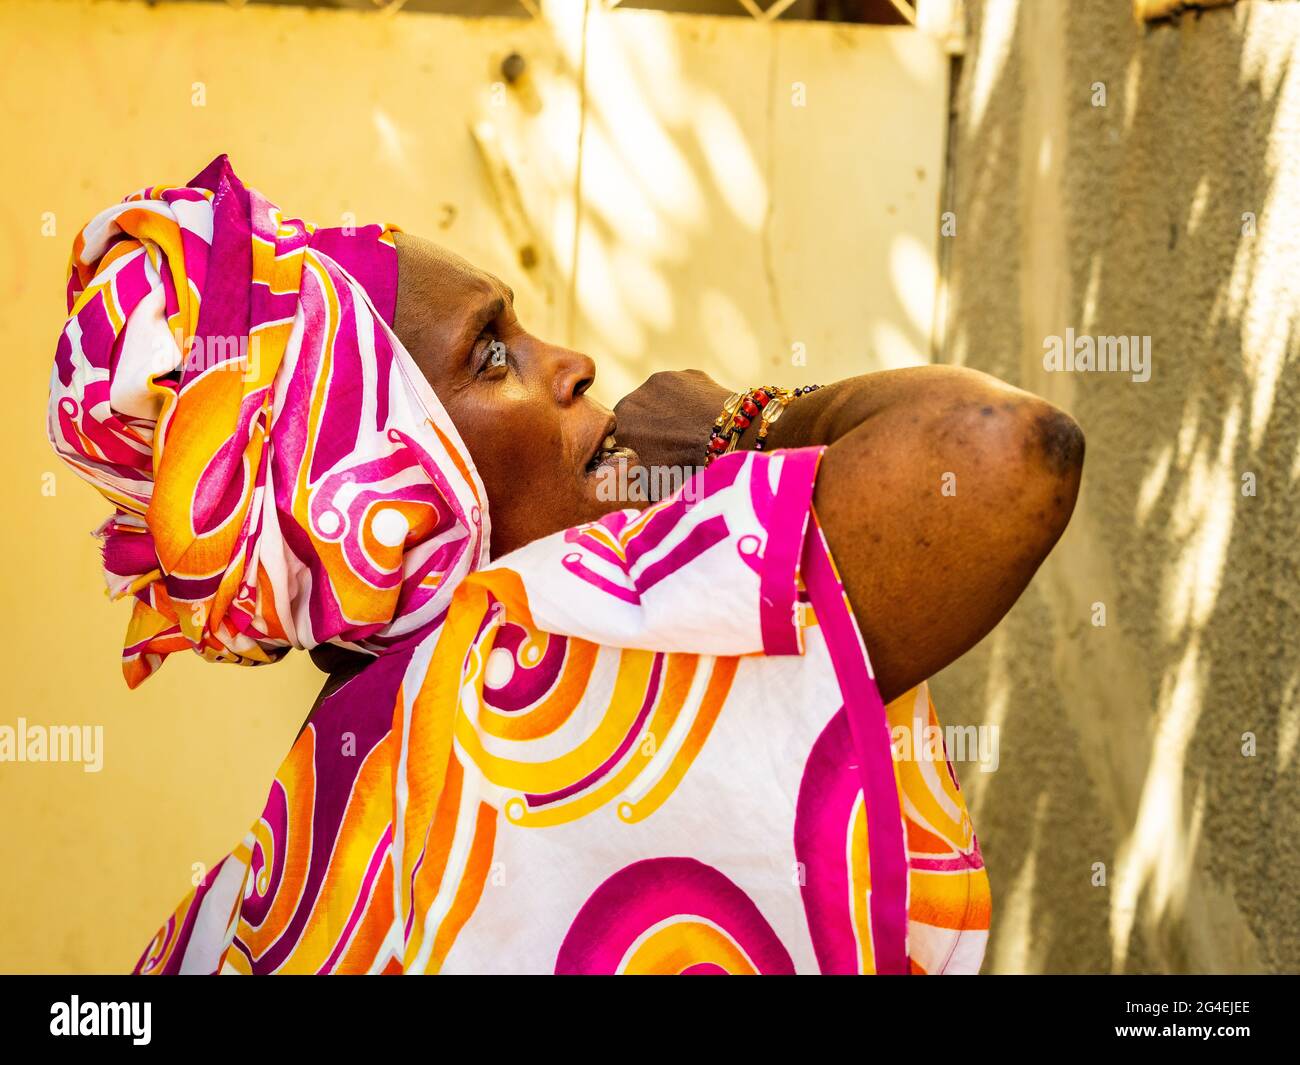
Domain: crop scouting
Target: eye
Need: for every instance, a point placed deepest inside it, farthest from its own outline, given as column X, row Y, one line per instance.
column 494, row 355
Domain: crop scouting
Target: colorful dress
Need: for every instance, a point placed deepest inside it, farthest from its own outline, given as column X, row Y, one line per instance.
column 652, row 743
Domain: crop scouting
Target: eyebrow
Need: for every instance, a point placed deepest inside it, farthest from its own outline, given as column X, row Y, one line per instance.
column 486, row 313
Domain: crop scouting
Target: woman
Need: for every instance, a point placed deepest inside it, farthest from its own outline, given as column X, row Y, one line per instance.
column 560, row 733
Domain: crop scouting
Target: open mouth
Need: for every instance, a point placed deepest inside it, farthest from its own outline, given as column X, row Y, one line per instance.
column 608, row 452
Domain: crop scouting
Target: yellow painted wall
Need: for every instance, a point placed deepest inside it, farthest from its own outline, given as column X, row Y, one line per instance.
column 721, row 225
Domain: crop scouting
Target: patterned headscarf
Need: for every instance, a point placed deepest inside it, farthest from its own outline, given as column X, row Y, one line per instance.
column 282, row 473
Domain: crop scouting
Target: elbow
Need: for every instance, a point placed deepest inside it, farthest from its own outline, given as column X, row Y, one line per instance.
column 1055, row 449
column 1029, row 456
column 1057, row 444
column 1057, row 439
column 1045, row 462
column 1027, row 440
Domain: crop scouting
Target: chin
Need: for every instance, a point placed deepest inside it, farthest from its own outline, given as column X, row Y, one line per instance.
column 619, row 483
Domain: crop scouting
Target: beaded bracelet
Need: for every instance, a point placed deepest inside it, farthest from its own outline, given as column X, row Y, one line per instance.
column 766, row 403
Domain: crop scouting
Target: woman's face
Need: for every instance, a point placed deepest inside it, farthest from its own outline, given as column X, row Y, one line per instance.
column 520, row 404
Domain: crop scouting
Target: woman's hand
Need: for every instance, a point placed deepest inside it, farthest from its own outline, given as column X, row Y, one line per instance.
column 667, row 420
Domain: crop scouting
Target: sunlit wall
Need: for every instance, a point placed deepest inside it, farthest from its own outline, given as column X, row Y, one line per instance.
column 758, row 201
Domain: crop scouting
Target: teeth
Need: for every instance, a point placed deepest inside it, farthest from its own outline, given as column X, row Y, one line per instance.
column 607, row 446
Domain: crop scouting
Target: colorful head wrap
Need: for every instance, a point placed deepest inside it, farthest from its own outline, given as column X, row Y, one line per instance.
column 282, row 473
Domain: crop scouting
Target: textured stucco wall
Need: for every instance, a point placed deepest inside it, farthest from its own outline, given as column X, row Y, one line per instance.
column 1122, row 744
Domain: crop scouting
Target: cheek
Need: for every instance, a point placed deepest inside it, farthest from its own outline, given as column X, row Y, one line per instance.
column 496, row 430
column 527, row 452
column 518, row 447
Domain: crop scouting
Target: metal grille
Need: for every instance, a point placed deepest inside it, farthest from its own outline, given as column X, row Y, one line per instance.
column 901, row 12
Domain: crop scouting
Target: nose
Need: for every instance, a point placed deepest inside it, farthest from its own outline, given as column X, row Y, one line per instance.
column 571, row 374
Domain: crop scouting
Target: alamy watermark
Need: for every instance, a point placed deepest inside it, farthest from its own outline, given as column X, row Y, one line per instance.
column 1102, row 354
column 133, row 1019
column 922, row 742
column 241, row 354
column 626, row 483
column 53, row 743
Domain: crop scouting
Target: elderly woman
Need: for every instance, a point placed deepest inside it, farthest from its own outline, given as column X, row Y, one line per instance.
column 561, row 733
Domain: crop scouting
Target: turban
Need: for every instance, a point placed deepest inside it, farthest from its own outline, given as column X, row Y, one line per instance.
column 282, row 475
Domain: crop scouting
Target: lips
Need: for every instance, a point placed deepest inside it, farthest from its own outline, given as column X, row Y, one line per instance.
column 608, row 452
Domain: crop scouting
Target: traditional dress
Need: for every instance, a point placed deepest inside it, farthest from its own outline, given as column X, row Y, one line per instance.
column 649, row 744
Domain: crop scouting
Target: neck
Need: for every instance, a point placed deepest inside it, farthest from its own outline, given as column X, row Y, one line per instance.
column 341, row 665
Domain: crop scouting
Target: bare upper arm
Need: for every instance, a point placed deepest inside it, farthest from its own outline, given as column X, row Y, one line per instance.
column 940, row 495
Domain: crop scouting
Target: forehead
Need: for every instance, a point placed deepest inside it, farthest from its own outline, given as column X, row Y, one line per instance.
column 432, row 273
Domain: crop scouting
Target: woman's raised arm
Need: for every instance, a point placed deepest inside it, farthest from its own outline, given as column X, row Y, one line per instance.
column 941, row 491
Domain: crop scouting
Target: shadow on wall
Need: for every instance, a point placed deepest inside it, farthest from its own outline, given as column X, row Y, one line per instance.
column 713, row 201
column 1130, row 827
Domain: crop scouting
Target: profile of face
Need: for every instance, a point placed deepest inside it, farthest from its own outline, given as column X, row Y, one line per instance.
column 542, row 446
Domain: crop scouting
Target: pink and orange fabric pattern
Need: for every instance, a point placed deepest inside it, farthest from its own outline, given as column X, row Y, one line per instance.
column 561, row 760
